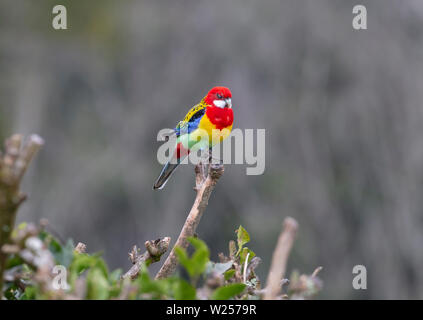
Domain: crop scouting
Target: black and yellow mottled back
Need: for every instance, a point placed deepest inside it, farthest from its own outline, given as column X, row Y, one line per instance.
column 192, row 119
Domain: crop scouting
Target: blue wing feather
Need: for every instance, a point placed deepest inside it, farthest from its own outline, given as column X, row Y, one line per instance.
column 190, row 125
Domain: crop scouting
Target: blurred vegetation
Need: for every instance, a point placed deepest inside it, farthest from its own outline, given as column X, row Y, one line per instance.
column 86, row 276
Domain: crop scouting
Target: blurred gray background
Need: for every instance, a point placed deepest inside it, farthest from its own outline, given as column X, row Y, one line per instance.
column 342, row 111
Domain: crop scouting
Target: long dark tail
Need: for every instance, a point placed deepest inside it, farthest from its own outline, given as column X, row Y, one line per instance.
column 165, row 175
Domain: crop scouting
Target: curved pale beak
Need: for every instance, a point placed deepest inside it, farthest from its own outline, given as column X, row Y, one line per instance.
column 228, row 103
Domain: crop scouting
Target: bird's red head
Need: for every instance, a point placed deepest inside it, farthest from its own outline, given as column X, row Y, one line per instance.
column 220, row 97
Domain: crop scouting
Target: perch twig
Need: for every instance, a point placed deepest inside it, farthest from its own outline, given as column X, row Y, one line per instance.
column 280, row 258
column 204, row 187
column 13, row 165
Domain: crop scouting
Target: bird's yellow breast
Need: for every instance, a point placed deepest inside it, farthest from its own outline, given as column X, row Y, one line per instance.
column 215, row 135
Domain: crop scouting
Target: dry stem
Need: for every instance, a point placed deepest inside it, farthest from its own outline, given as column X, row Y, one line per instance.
column 13, row 165
column 204, row 187
column 280, row 258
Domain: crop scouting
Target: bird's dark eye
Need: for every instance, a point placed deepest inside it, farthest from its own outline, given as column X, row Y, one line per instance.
column 219, row 96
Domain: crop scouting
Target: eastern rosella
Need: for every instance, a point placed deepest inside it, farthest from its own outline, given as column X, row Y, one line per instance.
column 212, row 116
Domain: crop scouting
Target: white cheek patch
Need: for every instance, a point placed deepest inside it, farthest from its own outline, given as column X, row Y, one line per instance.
column 219, row 103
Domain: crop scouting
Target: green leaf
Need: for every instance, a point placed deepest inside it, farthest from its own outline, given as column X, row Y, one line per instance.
column 13, row 261
column 157, row 288
column 115, row 283
column 229, row 274
column 182, row 290
column 62, row 254
column 197, row 264
column 242, row 237
column 228, row 291
column 115, row 275
column 101, row 264
column 83, row 261
column 183, row 259
column 200, row 257
column 29, row 294
column 243, row 255
column 198, row 244
column 97, row 285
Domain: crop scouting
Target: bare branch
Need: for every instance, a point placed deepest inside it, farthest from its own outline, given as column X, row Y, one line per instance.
column 280, row 258
column 204, row 187
column 155, row 249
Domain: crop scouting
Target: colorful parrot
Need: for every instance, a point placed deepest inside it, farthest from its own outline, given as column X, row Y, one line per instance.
column 213, row 117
